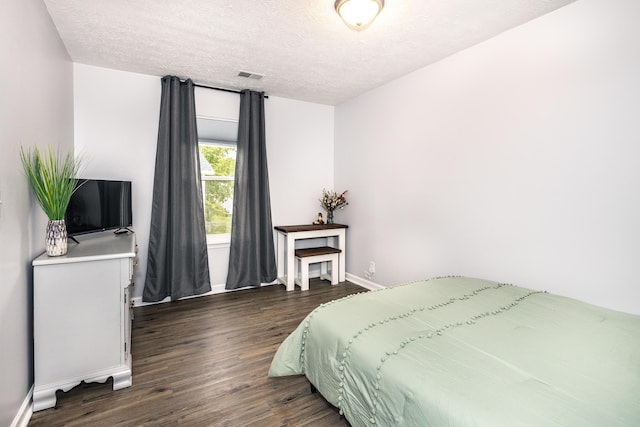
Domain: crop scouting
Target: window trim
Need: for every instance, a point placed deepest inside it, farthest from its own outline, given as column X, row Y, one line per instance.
column 217, row 240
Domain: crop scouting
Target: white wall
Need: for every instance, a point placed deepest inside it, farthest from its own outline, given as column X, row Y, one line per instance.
column 116, row 124
column 515, row 160
column 116, row 129
column 36, row 108
column 300, row 155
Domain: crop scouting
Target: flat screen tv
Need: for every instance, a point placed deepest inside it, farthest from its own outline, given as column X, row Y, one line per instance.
column 99, row 205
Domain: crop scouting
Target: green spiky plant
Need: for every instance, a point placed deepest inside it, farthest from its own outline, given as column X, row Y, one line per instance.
column 52, row 176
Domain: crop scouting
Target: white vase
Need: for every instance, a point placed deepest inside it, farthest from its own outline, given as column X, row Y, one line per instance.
column 56, row 239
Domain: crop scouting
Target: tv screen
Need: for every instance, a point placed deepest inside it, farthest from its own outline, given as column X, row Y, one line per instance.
column 99, row 205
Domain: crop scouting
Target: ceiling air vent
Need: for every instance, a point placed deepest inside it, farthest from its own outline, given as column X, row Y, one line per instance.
column 249, row 75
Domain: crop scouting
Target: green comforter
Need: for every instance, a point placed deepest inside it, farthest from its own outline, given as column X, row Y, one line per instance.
column 468, row 352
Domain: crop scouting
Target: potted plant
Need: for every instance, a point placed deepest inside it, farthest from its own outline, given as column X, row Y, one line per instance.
column 52, row 176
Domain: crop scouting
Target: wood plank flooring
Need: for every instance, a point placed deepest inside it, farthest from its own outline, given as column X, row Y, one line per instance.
column 204, row 362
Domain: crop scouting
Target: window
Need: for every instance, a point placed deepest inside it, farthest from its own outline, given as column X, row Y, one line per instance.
column 217, row 168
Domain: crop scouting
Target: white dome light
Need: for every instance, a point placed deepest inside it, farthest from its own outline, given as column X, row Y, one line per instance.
column 358, row 14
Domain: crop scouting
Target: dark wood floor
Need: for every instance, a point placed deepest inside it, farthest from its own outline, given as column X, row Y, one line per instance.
column 204, row 362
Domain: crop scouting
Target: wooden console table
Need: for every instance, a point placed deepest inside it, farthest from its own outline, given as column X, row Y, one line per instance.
column 286, row 246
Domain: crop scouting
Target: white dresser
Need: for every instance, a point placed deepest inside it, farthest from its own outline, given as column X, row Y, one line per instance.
column 82, row 315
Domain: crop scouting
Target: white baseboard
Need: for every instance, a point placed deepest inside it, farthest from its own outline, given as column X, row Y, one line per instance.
column 24, row 413
column 368, row 284
column 220, row 289
column 215, row 289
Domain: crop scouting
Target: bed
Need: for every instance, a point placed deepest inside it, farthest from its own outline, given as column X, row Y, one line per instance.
column 459, row 351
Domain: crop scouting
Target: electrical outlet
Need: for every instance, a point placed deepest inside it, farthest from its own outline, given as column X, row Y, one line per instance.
column 372, row 267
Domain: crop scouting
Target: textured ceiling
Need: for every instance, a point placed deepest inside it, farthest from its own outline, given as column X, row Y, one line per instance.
column 301, row 46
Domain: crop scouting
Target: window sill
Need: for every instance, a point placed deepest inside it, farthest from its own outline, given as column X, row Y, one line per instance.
column 216, row 241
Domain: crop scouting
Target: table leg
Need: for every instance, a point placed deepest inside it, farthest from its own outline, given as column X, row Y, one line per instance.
column 342, row 245
column 291, row 248
column 281, row 250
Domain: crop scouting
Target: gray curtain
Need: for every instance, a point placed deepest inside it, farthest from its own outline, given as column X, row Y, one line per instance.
column 177, row 265
column 252, row 258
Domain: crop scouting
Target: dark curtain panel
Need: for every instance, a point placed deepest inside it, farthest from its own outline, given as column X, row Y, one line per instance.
column 252, row 258
column 177, row 265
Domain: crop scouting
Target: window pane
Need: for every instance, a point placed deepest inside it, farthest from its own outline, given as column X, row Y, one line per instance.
column 218, row 206
column 217, row 161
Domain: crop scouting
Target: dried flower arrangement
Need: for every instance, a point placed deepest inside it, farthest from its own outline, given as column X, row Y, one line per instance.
column 331, row 201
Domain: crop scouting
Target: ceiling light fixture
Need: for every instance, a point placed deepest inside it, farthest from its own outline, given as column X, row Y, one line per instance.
column 358, row 14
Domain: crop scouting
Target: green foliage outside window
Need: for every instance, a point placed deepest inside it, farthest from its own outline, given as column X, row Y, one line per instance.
column 218, row 187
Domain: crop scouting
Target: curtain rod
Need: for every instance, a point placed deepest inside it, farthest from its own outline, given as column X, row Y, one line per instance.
column 221, row 89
